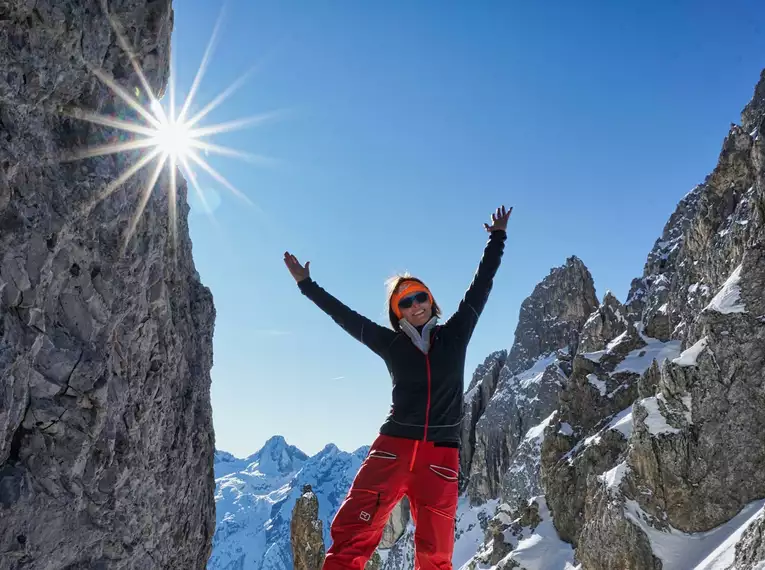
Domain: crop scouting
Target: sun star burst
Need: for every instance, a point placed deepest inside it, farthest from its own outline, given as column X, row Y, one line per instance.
column 166, row 136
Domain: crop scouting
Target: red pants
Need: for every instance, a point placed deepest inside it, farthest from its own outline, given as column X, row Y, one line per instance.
column 393, row 468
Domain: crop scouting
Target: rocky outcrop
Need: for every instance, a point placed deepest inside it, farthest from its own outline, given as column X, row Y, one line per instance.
column 396, row 525
column 522, row 539
column 528, row 384
column 750, row 550
column 552, row 316
column 603, row 326
column 106, row 438
column 480, row 391
column 689, row 459
column 306, row 533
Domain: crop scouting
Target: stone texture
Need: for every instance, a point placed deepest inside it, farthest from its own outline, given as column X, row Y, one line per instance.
column 609, row 541
column 535, row 370
column 604, row 325
column 396, row 525
column 695, row 453
column 477, row 398
column 552, row 316
column 306, row 533
column 106, row 439
column 750, row 549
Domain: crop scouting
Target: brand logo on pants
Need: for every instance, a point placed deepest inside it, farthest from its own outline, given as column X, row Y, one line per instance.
column 365, row 516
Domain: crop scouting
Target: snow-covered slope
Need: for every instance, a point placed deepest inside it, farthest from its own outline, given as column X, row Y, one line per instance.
column 255, row 497
column 610, row 435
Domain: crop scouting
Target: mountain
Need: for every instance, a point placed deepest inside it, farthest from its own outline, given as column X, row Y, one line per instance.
column 626, row 434
column 255, row 496
column 652, row 456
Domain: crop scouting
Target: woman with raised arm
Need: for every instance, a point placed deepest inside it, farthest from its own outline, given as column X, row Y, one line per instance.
column 417, row 450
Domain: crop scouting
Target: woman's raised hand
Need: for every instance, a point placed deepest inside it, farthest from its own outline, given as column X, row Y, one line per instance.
column 499, row 220
column 299, row 272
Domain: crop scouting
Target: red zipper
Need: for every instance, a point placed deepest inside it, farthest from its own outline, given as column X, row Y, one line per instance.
column 427, row 409
column 427, row 416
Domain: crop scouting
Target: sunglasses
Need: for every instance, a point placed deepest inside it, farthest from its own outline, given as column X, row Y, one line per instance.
column 409, row 300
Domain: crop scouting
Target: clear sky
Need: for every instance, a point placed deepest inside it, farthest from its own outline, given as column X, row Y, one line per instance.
column 405, row 125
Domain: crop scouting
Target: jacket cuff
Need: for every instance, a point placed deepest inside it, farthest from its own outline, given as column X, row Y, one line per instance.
column 498, row 234
column 305, row 284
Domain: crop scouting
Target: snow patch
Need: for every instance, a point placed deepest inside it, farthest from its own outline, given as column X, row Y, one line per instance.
column 640, row 359
column 689, row 356
column 655, row 420
column 534, row 374
column 614, row 343
column 711, row 550
column 566, row 429
column 469, row 532
column 594, row 356
column 538, row 431
column 728, row 298
column 613, row 477
column 599, row 384
column 536, row 549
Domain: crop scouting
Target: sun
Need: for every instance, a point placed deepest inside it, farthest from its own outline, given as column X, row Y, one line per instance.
column 165, row 136
column 174, row 139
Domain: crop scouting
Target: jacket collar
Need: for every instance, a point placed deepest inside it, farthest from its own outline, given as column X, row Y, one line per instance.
column 420, row 339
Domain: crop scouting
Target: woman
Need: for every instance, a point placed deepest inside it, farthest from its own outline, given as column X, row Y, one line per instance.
column 417, row 450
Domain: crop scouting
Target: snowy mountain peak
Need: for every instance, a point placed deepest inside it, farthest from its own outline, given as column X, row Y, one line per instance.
column 276, row 457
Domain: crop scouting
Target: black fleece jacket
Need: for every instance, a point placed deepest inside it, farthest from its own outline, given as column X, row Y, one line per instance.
column 427, row 388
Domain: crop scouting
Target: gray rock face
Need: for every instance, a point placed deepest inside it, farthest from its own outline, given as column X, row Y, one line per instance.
column 396, row 525
column 693, row 453
column 610, row 541
column 477, row 398
column 529, row 381
column 306, row 533
column 647, row 300
column 552, row 316
column 106, row 439
column 750, row 550
column 604, row 325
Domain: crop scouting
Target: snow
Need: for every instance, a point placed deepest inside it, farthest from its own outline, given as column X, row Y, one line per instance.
column 538, row 431
column 728, row 298
column 689, row 356
column 599, row 384
column 640, row 359
column 613, row 477
column 594, row 356
column 711, row 550
column 698, row 288
column 566, row 429
column 541, row 549
column 593, row 317
column 655, row 420
column 254, row 498
column 469, row 532
column 621, row 422
column 534, row 374
column 611, row 345
column 533, row 549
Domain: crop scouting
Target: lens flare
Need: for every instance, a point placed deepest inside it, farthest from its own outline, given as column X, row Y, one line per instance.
column 166, row 136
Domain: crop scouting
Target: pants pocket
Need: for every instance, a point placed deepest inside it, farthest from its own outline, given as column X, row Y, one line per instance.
column 380, row 454
column 446, row 473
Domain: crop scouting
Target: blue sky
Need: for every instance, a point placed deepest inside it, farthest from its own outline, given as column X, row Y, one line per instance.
column 405, row 124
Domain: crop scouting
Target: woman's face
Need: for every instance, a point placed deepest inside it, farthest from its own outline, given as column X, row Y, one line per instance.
column 416, row 308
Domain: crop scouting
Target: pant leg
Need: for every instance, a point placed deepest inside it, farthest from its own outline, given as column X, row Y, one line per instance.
column 359, row 523
column 433, row 493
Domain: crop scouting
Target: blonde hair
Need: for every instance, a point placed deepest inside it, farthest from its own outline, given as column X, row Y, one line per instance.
column 391, row 286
